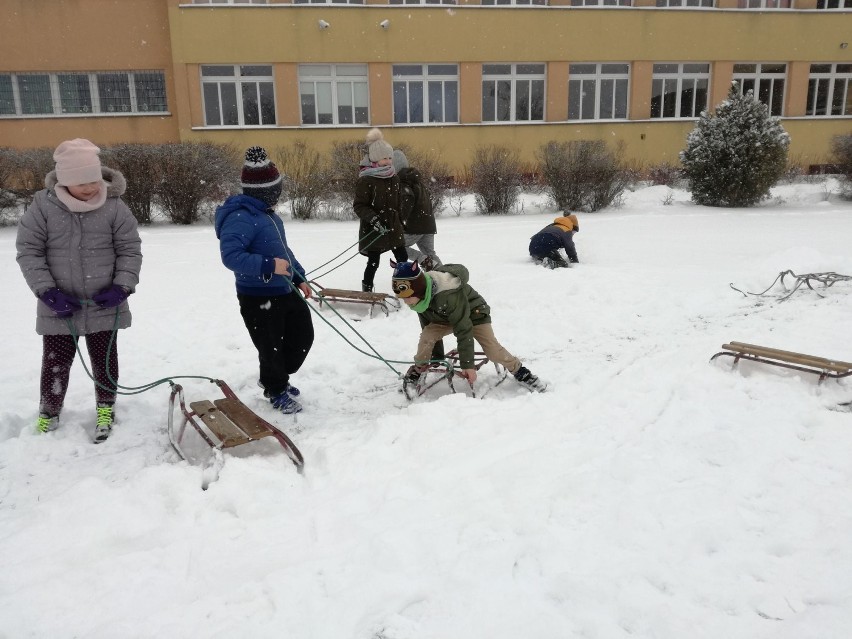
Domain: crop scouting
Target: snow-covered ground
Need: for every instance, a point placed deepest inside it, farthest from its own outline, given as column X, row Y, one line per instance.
column 649, row 493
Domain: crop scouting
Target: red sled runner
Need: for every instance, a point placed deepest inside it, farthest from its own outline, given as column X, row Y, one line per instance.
column 448, row 370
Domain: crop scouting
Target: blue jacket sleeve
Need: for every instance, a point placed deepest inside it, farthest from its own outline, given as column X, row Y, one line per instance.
column 235, row 237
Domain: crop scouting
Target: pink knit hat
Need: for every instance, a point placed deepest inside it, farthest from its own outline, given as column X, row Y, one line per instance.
column 77, row 162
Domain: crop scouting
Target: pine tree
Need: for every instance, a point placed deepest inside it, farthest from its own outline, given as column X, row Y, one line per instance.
column 736, row 154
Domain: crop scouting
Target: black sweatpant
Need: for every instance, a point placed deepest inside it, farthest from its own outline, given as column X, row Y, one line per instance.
column 281, row 330
column 56, row 360
column 373, row 260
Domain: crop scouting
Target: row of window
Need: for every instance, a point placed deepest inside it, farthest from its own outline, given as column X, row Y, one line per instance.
column 429, row 93
column 338, row 94
column 742, row 4
column 81, row 93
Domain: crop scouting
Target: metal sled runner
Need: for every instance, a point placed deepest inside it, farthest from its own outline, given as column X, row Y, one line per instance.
column 441, row 371
column 786, row 359
column 382, row 300
column 224, row 423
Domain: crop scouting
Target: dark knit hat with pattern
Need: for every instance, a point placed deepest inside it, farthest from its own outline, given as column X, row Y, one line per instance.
column 260, row 177
column 409, row 280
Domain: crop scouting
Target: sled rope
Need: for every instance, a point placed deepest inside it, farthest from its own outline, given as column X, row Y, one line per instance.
column 827, row 279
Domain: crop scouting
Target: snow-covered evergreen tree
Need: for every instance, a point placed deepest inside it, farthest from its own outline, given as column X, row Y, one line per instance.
column 734, row 155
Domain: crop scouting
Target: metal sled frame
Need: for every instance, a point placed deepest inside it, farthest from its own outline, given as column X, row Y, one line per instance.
column 786, row 359
column 441, row 371
column 224, row 423
column 382, row 300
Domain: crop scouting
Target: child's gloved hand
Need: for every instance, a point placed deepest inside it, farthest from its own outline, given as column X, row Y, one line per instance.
column 60, row 303
column 111, row 296
column 377, row 225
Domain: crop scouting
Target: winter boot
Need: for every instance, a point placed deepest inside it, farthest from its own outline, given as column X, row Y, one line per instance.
column 525, row 378
column 427, row 263
column 47, row 423
column 412, row 375
column 291, row 390
column 285, row 403
column 366, row 288
column 103, row 425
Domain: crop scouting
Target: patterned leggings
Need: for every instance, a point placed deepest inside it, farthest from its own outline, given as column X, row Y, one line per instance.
column 57, row 357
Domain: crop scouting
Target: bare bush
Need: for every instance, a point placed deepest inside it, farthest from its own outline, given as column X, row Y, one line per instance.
column 31, row 167
column 495, row 179
column 343, row 164
column 665, row 174
column 841, row 150
column 582, row 175
column 142, row 169
column 195, row 172
column 307, row 178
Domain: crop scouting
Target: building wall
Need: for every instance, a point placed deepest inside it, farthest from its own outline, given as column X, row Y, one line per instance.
column 86, row 35
column 93, row 35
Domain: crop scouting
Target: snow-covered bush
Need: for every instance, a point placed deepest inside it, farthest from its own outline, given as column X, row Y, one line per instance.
column 734, row 155
column 194, row 173
column 495, row 179
column 665, row 174
column 141, row 165
column 343, row 164
column 307, row 178
column 582, row 175
column 841, row 150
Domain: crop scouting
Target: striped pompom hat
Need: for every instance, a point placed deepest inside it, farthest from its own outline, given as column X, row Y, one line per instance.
column 258, row 171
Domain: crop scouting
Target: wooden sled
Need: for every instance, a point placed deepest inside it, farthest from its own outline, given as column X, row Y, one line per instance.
column 382, row 300
column 224, row 423
column 440, row 371
column 786, row 359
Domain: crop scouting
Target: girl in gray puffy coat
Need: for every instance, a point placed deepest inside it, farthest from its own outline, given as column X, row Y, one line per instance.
column 80, row 253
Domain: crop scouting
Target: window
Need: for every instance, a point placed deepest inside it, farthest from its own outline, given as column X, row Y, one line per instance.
column 425, row 93
column 82, row 93
column 228, row 1
column 512, row 92
column 689, row 4
column 597, row 91
column 516, row 3
column 423, row 2
column 328, row 1
column 238, row 95
column 829, row 90
column 601, row 3
column 764, row 4
column 767, row 82
column 679, row 90
column 334, row 94
column 834, row 4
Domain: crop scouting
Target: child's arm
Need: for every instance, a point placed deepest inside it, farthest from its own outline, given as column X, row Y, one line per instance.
column 128, row 249
column 31, row 244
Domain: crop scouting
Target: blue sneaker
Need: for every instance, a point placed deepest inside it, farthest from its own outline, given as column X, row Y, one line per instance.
column 285, row 403
column 292, row 390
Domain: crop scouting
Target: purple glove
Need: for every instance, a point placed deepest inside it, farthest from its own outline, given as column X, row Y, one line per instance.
column 111, row 296
column 60, row 303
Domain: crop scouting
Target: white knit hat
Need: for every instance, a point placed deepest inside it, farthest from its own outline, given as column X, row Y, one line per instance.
column 77, row 162
column 377, row 148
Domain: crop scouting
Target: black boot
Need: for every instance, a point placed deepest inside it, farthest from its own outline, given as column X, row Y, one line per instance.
column 366, row 287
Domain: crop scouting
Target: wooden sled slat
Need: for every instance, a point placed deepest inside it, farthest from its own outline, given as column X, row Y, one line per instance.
column 821, row 366
column 219, row 424
column 374, row 299
column 243, row 417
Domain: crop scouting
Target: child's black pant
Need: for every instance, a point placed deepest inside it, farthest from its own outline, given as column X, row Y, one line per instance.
column 281, row 330
column 373, row 259
column 58, row 356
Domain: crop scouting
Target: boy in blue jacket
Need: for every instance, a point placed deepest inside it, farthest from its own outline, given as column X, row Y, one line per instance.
column 253, row 245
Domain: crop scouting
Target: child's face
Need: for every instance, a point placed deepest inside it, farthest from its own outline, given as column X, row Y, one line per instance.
column 86, row 191
column 410, row 301
column 385, row 162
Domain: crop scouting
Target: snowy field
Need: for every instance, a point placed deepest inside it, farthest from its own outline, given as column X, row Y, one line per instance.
column 650, row 493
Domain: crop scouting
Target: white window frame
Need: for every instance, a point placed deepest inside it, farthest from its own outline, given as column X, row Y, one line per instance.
column 430, row 79
column 240, row 80
column 764, row 82
column 230, row 1
column 686, row 4
column 54, row 94
column 513, row 3
column 841, row 5
column 422, row 2
column 601, row 3
column 515, row 76
column 765, row 4
column 580, row 82
column 837, row 82
column 683, row 76
column 328, row 2
column 349, row 81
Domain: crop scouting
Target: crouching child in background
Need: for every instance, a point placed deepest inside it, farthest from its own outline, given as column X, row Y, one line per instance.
column 447, row 304
column 545, row 245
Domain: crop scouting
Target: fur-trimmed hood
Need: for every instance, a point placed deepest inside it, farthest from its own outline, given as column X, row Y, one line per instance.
column 116, row 184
